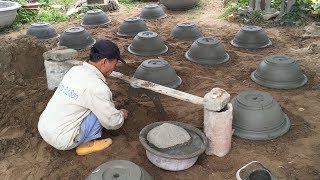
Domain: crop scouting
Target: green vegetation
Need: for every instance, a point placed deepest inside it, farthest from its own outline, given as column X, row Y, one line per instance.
column 301, row 12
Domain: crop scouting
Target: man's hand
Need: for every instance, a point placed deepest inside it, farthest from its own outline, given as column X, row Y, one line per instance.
column 125, row 113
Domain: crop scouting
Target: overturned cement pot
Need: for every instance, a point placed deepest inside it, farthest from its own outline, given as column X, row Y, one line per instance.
column 76, row 38
column 94, row 18
column 186, row 31
column 254, row 171
column 152, row 11
column 179, row 5
column 131, row 26
column 158, row 71
column 207, row 50
column 257, row 116
column 279, row 72
column 42, row 31
column 147, row 43
column 251, row 37
column 8, row 12
column 179, row 157
column 119, row 169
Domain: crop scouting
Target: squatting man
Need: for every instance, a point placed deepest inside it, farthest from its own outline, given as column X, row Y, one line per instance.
column 82, row 104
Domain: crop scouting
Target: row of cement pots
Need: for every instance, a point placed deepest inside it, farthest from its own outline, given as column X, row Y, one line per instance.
column 256, row 114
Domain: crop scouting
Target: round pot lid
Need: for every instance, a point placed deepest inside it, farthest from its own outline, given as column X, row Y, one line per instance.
column 279, row 72
column 132, row 26
column 117, row 170
column 94, row 18
column 251, row 37
column 42, row 31
column 257, row 116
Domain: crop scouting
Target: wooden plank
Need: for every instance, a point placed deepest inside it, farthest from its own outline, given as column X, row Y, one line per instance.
column 138, row 83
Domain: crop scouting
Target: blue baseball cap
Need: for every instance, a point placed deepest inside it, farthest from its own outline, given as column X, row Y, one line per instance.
column 105, row 49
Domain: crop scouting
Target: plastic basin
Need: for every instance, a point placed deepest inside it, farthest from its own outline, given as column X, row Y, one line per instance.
column 8, row 12
column 179, row 157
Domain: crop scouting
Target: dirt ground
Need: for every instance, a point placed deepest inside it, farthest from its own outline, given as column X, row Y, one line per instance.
column 24, row 95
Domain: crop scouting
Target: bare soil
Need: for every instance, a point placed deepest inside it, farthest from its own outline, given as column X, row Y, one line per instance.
column 24, row 95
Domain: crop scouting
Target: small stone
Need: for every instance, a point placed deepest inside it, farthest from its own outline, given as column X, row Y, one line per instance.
column 301, row 109
column 60, row 55
column 21, row 95
column 168, row 135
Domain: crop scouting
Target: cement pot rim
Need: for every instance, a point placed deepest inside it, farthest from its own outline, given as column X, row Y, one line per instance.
column 251, row 31
column 41, row 25
column 279, row 66
column 95, row 12
column 181, row 29
column 114, row 169
column 14, row 5
column 143, row 139
column 161, row 13
column 257, row 116
column 209, row 42
column 147, row 36
column 129, row 20
column 156, row 67
column 73, row 31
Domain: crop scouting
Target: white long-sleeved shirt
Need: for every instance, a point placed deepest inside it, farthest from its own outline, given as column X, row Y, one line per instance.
column 82, row 90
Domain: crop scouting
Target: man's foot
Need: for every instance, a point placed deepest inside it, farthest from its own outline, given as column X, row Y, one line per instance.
column 93, row 146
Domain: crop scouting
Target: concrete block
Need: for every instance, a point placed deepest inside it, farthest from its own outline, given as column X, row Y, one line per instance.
column 60, row 55
column 55, row 71
column 216, row 99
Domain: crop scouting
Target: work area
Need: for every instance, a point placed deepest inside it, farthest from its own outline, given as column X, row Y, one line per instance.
column 206, row 98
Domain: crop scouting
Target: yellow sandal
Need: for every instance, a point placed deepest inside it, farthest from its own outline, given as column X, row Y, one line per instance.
column 98, row 145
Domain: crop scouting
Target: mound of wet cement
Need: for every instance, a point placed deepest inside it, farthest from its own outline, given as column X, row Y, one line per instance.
column 168, row 135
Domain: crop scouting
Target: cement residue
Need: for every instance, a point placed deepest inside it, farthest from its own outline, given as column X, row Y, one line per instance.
column 168, row 135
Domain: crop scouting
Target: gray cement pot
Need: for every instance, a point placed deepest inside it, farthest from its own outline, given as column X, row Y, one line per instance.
column 158, row 71
column 147, row 43
column 131, row 26
column 251, row 37
column 207, row 50
column 179, row 157
column 95, row 17
column 279, row 72
column 76, row 38
column 152, row 11
column 119, row 169
column 186, row 31
column 180, row 4
column 8, row 12
column 257, row 116
column 42, row 31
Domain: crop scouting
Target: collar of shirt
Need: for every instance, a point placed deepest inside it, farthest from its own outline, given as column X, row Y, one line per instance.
column 95, row 70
